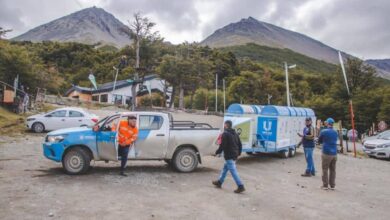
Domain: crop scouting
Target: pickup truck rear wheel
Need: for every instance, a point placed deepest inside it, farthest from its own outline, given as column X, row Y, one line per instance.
column 185, row 160
column 76, row 161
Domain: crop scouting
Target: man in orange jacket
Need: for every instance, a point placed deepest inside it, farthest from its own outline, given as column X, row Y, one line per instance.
column 127, row 135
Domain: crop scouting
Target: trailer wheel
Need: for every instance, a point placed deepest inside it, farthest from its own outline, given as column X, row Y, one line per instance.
column 292, row 151
column 284, row 154
column 76, row 161
column 185, row 160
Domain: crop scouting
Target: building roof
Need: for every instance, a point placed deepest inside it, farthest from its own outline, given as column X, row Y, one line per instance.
column 106, row 87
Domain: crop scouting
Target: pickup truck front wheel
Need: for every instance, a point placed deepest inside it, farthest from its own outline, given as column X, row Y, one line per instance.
column 185, row 160
column 76, row 161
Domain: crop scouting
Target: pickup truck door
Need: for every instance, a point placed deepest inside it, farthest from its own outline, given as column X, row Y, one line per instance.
column 106, row 140
column 153, row 137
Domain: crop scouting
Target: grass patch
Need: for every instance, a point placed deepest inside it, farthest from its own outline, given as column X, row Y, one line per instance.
column 11, row 124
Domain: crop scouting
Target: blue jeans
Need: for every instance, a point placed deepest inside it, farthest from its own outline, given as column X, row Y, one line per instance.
column 309, row 160
column 230, row 165
column 123, row 152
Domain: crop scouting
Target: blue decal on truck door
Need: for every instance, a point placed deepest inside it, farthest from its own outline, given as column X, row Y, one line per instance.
column 266, row 128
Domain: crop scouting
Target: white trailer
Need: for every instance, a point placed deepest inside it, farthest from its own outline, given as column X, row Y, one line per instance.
column 269, row 129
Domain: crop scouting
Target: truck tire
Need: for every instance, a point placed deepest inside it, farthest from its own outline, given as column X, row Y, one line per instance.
column 284, row 154
column 76, row 161
column 185, row 160
column 292, row 151
column 38, row 127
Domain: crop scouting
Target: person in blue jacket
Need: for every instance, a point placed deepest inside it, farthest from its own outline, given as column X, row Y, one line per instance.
column 308, row 147
column 328, row 138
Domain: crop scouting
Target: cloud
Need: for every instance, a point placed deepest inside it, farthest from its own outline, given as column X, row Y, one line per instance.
column 359, row 27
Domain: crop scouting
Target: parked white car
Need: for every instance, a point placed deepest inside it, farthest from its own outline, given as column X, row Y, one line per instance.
column 380, row 135
column 379, row 148
column 61, row 118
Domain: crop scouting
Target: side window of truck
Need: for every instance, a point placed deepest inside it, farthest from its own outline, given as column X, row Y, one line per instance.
column 111, row 124
column 150, row 122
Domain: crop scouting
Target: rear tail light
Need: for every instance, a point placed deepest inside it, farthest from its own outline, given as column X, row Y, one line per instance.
column 94, row 120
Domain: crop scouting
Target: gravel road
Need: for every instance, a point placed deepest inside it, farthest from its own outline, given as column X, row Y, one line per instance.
column 32, row 187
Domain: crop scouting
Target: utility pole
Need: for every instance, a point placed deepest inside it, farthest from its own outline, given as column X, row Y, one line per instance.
column 224, row 96
column 286, row 67
column 350, row 105
column 216, row 92
column 269, row 97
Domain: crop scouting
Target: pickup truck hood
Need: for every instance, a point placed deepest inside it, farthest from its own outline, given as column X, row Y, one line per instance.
column 69, row 130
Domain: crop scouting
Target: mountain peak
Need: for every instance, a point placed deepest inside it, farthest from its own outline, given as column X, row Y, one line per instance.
column 251, row 30
column 249, row 19
column 89, row 25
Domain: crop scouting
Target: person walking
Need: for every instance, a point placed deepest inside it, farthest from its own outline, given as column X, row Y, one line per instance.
column 308, row 147
column 127, row 135
column 230, row 146
column 328, row 137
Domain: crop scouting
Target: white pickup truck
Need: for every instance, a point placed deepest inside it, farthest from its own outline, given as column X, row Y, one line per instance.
column 179, row 143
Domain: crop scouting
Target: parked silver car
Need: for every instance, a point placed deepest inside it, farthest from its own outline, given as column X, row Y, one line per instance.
column 379, row 148
column 61, row 118
column 380, row 135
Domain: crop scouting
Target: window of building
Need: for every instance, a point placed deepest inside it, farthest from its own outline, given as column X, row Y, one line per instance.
column 150, row 122
column 75, row 114
column 128, row 100
column 117, row 99
column 95, row 98
column 104, row 98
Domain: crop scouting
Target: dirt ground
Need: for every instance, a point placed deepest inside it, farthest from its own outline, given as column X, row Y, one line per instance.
column 33, row 187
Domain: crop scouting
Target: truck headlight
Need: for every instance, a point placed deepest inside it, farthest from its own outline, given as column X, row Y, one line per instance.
column 55, row 139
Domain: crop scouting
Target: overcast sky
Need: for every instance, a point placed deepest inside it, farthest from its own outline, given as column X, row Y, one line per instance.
column 358, row 27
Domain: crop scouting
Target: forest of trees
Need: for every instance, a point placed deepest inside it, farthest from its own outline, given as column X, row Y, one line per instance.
column 251, row 73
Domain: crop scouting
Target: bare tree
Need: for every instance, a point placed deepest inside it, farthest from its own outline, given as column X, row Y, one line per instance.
column 139, row 29
column 3, row 32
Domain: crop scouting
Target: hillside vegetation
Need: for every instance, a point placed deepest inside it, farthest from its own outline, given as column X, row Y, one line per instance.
column 251, row 73
column 275, row 57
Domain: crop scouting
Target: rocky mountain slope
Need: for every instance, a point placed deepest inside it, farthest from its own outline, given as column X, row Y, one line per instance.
column 90, row 26
column 251, row 30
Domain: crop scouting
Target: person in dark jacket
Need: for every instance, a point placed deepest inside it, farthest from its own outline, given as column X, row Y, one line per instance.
column 308, row 147
column 328, row 137
column 231, row 148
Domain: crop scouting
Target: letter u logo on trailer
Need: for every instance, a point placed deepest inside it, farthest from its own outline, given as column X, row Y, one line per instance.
column 267, row 128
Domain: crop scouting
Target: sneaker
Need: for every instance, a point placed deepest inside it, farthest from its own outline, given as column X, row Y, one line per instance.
column 324, row 187
column 306, row 175
column 313, row 174
column 217, row 183
column 240, row 189
column 332, row 188
column 122, row 173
